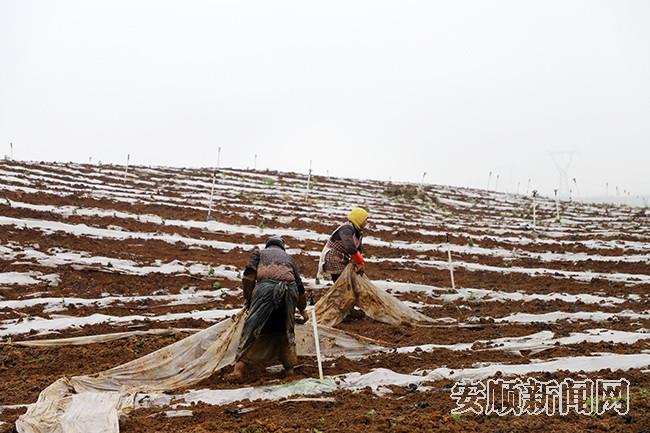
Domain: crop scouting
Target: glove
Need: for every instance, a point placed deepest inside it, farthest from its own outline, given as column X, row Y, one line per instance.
column 360, row 262
column 300, row 319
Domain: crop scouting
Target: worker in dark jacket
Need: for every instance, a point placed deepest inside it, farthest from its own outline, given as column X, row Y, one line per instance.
column 273, row 290
column 344, row 245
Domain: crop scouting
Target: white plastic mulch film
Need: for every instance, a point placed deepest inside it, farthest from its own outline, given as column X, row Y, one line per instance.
column 83, row 404
column 352, row 289
column 92, row 403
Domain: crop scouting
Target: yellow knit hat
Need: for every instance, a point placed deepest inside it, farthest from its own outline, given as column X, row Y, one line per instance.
column 358, row 216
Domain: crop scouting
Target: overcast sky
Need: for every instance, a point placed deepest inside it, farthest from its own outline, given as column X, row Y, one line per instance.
column 369, row 89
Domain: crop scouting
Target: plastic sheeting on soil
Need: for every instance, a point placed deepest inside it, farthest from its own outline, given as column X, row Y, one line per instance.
column 353, row 289
column 380, row 379
column 98, row 338
column 83, row 404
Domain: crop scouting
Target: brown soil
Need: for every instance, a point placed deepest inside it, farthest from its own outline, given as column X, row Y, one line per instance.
column 25, row 371
column 401, row 411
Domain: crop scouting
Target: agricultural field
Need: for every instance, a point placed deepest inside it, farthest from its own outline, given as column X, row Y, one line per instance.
column 88, row 250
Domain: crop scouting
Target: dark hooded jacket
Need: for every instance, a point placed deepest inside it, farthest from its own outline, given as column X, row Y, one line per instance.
column 273, row 289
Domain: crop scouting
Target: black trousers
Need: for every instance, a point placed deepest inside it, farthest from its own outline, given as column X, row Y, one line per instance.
column 271, row 312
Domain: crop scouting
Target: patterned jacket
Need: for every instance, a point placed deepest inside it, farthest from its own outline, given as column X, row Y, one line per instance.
column 345, row 241
column 271, row 263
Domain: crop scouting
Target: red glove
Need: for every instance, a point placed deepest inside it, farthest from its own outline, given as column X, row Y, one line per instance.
column 358, row 259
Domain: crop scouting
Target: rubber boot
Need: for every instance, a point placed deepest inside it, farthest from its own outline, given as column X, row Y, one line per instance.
column 288, row 357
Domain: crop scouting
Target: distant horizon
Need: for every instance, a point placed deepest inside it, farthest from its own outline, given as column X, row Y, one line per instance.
column 631, row 200
column 373, row 90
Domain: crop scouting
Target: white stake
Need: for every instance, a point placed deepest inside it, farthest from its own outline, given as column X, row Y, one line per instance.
column 255, row 163
column 318, row 358
column 528, row 186
column 489, row 179
column 496, row 188
column 451, row 264
column 308, row 181
column 534, row 212
column 422, row 181
column 557, row 206
column 214, row 178
column 126, row 168
column 518, row 182
column 577, row 189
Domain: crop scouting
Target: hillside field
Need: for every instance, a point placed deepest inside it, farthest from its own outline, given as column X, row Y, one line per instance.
column 87, row 250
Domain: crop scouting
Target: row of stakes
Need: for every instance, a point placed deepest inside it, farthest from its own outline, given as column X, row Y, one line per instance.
column 128, row 156
column 312, row 309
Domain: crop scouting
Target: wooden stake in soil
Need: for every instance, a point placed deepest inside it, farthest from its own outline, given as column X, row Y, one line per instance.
column 214, row 179
column 318, row 358
column 451, row 264
column 308, row 182
column 126, row 168
column 534, row 212
column 578, row 195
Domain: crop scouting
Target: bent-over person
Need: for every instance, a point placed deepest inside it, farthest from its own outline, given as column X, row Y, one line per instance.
column 344, row 246
column 273, row 290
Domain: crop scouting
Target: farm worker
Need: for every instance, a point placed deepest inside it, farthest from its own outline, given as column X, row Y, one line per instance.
column 344, row 245
column 273, row 290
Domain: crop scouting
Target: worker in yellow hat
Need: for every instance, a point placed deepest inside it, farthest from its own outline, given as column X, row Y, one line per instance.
column 344, row 246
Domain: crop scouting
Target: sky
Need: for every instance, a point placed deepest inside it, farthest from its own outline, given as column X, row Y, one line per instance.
column 365, row 89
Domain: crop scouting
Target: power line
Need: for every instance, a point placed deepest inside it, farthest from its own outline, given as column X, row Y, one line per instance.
column 562, row 161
